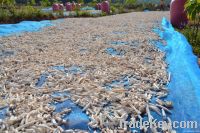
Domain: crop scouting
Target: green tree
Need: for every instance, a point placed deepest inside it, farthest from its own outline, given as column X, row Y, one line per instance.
column 32, row 2
column 7, row 2
column 45, row 3
column 81, row 1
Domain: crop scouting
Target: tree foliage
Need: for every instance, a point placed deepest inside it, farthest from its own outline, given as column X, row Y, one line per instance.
column 45, row 3
column 193, row 8
column 129, row 3
column 7, row 2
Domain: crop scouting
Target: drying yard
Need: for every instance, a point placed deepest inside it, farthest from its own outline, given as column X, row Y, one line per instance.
column 107, row 66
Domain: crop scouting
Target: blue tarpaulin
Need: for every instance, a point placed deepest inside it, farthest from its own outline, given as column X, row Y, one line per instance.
column 76, row 119
column 184, row 86
column 24, row 26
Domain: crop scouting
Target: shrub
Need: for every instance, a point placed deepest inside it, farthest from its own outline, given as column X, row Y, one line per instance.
column 45, row 3
column 4, row 15
column 192, row 31
column 16, row 14
column 130, row 3
column 7, row 2
column 93, row 3
column 84, row 14
column 113, row 9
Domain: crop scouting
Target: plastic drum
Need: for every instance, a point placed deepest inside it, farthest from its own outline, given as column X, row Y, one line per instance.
column 55, row 7
column 178, row 16
column 68, row 6
column 105, row 7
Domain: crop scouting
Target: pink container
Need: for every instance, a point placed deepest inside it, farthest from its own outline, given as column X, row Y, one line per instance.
column 68, row 6
column 61, row 7
column 178, row 16
column 98, row 6
column 105, row 7
column 55, row 7
column 73, row 5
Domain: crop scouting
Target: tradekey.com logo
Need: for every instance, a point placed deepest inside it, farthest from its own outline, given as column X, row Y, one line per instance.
column 159, row 124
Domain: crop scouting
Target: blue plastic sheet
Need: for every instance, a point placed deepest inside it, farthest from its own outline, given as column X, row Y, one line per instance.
column 41, row 80
column 74, row 69
column 3, row 112
column 6, row 53
column 115, row 52
column 119, row 32
column 76, row 119
column 185, row 77
column 24, row 26
column 119, row 43
column 123, row 81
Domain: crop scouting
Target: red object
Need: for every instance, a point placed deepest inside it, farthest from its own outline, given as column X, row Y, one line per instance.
column 55, row 7
column 68, row 6
column 98, row 6
column 105, row 7
column 178, row 16
column 73, row 5
column 61, row 7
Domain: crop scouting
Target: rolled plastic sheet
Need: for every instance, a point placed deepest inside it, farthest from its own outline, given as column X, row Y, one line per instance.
column 178, row 16
column 184, row 86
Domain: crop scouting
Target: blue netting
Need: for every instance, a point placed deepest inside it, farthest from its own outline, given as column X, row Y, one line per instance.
column 185, row 80
column 24, row 26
